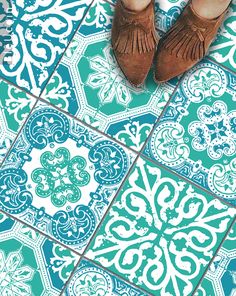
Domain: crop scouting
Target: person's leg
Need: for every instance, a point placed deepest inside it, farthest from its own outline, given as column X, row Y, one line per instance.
column 136, row 5
column 210, row 9
column 134, row 38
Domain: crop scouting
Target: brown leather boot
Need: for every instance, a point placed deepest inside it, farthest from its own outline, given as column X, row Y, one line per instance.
column 185, row 44
column 134, row 41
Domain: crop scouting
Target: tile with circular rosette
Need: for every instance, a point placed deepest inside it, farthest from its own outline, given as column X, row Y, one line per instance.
column 221, row 277
column 41, row 31
column 161, row 232
column 89, row 84
column 15, row 107
column 90, row 279
column 223, row 50
column 196, row 136
column 31, row 264
column 61, row 176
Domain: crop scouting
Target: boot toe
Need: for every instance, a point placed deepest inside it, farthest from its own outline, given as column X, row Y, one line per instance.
column 169, row 66
column 135, row 71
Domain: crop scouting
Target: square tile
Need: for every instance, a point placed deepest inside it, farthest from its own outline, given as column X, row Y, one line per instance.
column 223, row 50
column 161, row 232
column 61, row 176
column 31, row 264
column 89, row 279
column 221, row 277
column 89, row 84
column 15, row 107
column 196, row 136
column 40, row 32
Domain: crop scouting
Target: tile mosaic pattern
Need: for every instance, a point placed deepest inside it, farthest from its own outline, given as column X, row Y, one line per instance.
column 161, row 232
column 89, row 85
column 220, row 279
column 15, row 107
column 150, row 229
column 31, row 264
column 196, row 136
column 90, row 279
column 61, row 176
column 40, row 33
column 223, row 50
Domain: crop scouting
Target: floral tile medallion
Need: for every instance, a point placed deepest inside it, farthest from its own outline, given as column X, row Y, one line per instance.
column 196, row 136
column 89, row 85
column 61, row 176
column 31, row 264
column 90, row 279
column 161, row 232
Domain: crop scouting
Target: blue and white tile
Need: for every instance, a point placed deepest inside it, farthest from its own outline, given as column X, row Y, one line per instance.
column 89, row 84
column 31, row 264
column 61, row 176
column 196, row 136
column 90, row 279
column 40, row 33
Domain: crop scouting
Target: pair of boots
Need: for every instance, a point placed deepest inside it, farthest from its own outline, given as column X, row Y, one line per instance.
column 134, row 42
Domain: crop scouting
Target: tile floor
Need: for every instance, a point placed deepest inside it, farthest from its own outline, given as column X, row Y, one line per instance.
column 106, row 189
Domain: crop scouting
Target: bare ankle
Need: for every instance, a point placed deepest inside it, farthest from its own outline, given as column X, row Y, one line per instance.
column 136, row 5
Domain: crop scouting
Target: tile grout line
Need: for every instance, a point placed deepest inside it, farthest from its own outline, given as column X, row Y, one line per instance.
column 68, row 45
column 140, row 153
column 40, row 232
column 121, row 186
column 118, row 276
column 108, row 209
column 166, row 168
column 213, row 258
column 18, row 134
column 87, row 125
column 71, row 276
column 81, row 256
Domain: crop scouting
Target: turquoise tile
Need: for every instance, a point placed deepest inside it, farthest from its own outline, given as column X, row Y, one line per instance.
column 31, row 264
column 41, row 32
column 89, row 85
column 89, row 279
column 196, row 136
column 61, row 176
column 220, row 278
column 161, row 232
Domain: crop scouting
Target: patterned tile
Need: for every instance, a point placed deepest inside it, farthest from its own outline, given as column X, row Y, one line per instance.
column 15, row 106
column 41, row 31
column 223, row 50
column 161, row 232
column 221, row 277
column 30, row 264
column 89, row 84
column 196, row 136
column 61, row 176
column 90, row 279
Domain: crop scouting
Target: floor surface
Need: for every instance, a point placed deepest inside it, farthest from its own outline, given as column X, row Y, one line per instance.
column 106, row 189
